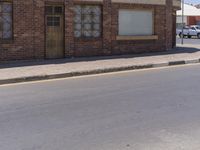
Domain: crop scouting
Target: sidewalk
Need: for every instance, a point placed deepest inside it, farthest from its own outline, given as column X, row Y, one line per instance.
column 47, row 69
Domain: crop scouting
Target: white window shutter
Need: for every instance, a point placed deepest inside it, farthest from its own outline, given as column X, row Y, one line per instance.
column 135, row 22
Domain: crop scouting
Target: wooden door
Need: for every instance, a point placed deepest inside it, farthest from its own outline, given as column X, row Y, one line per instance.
column 54, row 32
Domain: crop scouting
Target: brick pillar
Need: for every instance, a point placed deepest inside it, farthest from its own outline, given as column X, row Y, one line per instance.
column 174, row 29
column 107, row 26
column 69, row 28
column 39, row 29
column 169, row 24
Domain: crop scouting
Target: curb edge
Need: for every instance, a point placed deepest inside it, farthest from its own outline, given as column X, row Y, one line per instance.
column 96, row 71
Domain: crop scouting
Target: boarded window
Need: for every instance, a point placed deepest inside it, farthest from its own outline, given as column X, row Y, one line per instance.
column 135, row 22
column 87, row 21
column 5, row 20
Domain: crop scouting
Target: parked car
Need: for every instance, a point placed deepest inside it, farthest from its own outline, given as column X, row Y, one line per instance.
column 189, row 31
column 179, row 30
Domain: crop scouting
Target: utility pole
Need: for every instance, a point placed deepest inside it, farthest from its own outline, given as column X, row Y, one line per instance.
column 182, row 21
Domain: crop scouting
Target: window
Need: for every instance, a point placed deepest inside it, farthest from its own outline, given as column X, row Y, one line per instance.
column 87, row 21
column 5, row 20
column 135, row 22
column 53, row 10
column 53, row 15
column 198, row 27
column 53, row 21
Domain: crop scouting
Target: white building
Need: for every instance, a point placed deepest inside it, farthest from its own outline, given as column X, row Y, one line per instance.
column 191, row 15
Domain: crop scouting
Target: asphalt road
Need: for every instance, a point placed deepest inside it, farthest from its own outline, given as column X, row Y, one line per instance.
column 194, row 41
column 156, row 109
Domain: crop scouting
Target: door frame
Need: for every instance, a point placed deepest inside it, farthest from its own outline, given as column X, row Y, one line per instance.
column 45, row 23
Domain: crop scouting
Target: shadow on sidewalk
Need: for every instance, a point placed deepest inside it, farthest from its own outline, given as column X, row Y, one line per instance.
column 23, row 63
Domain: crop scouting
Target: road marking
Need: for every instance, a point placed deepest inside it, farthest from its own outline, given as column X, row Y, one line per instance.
column 97, row 75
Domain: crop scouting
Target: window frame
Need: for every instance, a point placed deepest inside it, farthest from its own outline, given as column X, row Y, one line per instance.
column 9, row 40
column 53, row 6
column 139, row 9
column 101, row 22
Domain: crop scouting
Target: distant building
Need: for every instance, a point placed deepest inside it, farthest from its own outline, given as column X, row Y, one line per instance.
column 197, row 6
column 191, row 15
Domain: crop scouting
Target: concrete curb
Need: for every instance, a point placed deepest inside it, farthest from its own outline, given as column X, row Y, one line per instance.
column 95, row 71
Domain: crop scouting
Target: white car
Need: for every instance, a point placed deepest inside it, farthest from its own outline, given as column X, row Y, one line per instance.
column 189, row 31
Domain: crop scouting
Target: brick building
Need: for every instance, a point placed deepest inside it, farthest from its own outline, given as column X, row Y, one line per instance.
column 191, row 16
column 38, row 29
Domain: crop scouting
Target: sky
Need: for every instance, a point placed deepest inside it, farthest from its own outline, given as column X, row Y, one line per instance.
column 193, row 1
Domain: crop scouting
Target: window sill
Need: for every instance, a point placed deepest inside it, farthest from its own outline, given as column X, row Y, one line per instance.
column 147, row 37
column 88, row 39
column 6, row 41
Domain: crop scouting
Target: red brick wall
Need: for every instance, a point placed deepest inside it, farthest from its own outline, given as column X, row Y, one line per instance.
column 29, row 31
column 125, row 47
column 21, row 47
column 169, row 24
column 193, row 20
column 198, row 18
column 174, row 29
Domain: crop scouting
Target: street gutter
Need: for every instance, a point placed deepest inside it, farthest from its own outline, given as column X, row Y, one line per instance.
column 95, row 71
